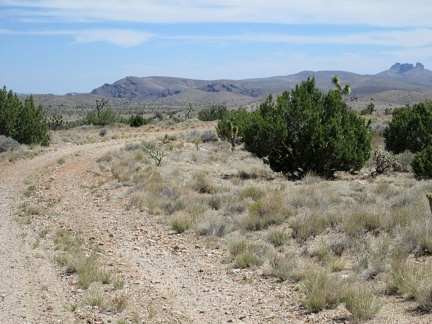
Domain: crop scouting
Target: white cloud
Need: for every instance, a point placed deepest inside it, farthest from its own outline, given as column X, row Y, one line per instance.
column 113, row 36
column 390, row 13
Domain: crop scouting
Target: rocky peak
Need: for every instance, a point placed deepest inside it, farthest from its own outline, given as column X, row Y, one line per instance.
column 419, row 66
column 402, row 68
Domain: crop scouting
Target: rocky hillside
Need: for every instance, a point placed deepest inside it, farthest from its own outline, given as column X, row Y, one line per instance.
column 398, row 77
column 400, row 85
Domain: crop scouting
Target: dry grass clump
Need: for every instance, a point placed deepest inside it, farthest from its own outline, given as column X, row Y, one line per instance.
column 97, row 298
column 246, row 254
column 146, row 193
column 86, row 268
column 74, row 261
column 414, row 280
column 254, row 173
column 252, row 192
column 315, row 196
column 123, row 170
column 286, row 267
column 181, row 222
column 322, row 290
column 203, row 184
column 21, row 153
column 310, row 178
column 214, row 224
column 277, row 237
column 360, row 221
column 306, row 225
column 270, row 210
column 361, row 302
column 372, row 256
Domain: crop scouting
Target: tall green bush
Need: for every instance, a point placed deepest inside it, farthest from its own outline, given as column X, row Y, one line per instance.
column 137, row 121
column 23, row 121
column 215, row 112
column 233, row 121
column 305, row 130
column 103, row 118
column 422, row 163
column 410, row 128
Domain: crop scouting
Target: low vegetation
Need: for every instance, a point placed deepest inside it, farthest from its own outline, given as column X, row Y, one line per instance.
column 353, row 226
column 332, row 228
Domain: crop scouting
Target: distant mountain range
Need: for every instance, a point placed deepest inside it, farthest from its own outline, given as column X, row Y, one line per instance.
column 400, row 85
column 398, row 77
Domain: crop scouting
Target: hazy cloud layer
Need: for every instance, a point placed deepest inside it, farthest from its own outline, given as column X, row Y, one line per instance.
column 388, row 13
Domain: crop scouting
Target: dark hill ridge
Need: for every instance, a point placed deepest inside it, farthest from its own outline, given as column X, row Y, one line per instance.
column 399, row 77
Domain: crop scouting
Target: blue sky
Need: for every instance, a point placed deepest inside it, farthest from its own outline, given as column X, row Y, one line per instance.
column 61, row 46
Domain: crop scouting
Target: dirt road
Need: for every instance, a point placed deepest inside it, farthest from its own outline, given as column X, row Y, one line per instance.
column 168, row 278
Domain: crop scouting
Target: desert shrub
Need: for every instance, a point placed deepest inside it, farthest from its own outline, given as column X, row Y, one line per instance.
column 215, row 112
column 410, row 128
column 238, row 246
column 405, row 158
column 23, row 121
column 378, row 127
column 208, row 136
column 372, row 256
column 306, row 130
column 103, row 131
column 158, row 115
column 384, row 161
column 138, row 199
column 231, row 126
column 137, row 121
column 8, row 144
column 422, row 163
column 103, row 118
column 87, row 268
column 55, row 122
column 370, row 108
